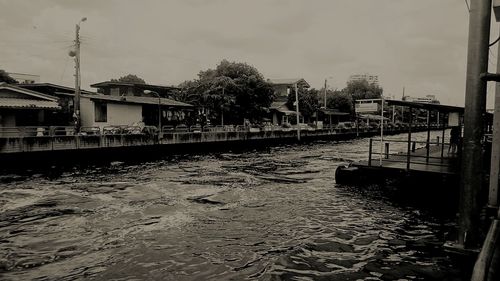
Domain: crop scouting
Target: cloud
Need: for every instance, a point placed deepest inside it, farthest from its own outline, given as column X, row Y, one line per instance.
column 420, row 45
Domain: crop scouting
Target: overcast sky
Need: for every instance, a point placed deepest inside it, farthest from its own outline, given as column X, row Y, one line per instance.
column 420, row 45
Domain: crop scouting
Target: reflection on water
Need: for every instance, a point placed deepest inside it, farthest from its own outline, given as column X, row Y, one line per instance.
column 267, row 215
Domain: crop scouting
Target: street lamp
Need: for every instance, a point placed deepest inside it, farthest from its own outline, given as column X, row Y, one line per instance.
column 147, row 92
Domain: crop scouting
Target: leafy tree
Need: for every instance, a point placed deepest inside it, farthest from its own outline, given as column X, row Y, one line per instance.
column 232, row 91
column 363, row 90
column 130, row 78
column 340, row 100
column 5, row 77
column 308, row 102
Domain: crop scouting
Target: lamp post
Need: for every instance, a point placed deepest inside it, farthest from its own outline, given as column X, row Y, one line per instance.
column 76, row 53
column 159, row 107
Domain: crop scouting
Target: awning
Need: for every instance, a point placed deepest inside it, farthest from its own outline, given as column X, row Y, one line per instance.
column 28, row 104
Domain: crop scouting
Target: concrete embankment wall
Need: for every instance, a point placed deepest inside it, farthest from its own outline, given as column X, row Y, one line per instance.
column 45, row 150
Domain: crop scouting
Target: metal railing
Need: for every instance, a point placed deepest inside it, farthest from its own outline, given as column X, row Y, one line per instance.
column 412, row 154
column 41, row 131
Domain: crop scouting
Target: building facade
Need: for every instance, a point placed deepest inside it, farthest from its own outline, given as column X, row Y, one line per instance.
column 21, row 107
column 372, row 79
column 126, row 104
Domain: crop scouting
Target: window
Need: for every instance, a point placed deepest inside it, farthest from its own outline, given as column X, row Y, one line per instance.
column 101, row 112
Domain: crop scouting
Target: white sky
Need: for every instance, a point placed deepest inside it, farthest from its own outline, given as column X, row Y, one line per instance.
column 420, row 45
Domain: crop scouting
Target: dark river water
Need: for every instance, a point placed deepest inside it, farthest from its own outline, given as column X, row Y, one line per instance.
column 273, row 214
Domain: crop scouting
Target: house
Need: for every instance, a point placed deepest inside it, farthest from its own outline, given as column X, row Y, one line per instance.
column 280, row 113
column 118, row 104
column 65, row 96
column 115, row 88
column 23, row 107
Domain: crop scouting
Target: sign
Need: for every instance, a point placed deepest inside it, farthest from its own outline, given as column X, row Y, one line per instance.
column 366, row 107
column 453, row 119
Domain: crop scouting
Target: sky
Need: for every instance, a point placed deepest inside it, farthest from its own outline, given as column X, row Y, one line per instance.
column 419, row 45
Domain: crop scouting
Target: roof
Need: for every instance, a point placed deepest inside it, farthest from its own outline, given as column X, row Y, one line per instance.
column 28, row 103
column 281, row 106
column 291, row 81
column 427, row 106
column 15, row 88
column 138, row 100
column 138, row 85
column 58, row 89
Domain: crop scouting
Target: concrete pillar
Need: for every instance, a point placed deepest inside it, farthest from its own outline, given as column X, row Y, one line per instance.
column 475, row 102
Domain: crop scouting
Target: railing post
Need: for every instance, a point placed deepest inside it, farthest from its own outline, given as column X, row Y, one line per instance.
column 370, row 147
column 437, row 140
column 413, row 146
column 386, row 150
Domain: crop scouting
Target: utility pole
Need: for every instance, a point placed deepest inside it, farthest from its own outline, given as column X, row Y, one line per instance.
column 475, row 103
column 297, row 111
column 76, row 100
column 325, row 94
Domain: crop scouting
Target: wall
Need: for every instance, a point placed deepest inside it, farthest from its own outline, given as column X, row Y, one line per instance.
column 118, row 114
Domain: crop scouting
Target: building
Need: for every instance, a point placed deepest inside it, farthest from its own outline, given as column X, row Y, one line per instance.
column 426, row 99
column 121, row 104
column 20, row 107
column 24, row 78
column 283, row 87
column 115, row 88
column 279, row 111
column 65, row 96
column 372, row 79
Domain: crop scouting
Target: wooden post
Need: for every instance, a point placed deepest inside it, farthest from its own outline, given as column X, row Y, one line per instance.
column 370, row 147
column 428, row 136
column 386, row 150
column 442, row 144
column 409, row 141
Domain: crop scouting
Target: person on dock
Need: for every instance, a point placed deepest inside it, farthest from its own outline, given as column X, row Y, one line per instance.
column 454, row 139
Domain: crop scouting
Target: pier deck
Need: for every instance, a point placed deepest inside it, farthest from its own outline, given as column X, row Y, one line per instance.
column 438, row 161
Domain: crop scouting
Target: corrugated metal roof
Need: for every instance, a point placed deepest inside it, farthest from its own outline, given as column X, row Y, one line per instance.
column 28, row 103
column 26, row 92
column 139, row 100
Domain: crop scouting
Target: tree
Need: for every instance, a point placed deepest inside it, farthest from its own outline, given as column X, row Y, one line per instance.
column 363, row 90
column 130, row 78
column 340, row 100
column 5, row 77
column 233, row 91
column 308, row 101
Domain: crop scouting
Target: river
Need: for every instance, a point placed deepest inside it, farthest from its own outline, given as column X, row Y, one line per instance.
column 273, row 214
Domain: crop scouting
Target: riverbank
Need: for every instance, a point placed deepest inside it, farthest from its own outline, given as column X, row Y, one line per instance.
column 21, row 152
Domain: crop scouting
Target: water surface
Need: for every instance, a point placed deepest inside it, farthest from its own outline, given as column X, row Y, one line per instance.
column 272, row 214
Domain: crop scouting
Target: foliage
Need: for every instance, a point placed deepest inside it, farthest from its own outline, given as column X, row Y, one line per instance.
column 308, row 101
column 344, row 100
column 130, row 78
column 5, row 77
column 363, row 90
column 340, row 100
column 234, row 89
